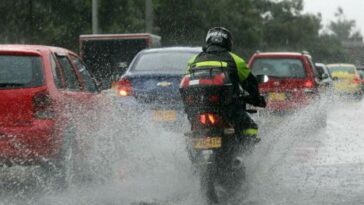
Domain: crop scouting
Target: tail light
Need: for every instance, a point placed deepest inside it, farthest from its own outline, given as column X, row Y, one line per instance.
column 43, row 106
column 209, row 119
column 124, row 87
column 357, row 79
column 308, row 84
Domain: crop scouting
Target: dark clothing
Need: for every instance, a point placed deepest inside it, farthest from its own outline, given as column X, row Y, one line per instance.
column 238, row 71
column 239, row 75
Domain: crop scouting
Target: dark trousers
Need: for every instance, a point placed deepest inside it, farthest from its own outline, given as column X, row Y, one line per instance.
column 242, row 122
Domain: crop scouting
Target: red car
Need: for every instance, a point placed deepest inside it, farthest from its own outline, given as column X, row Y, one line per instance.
column 45, row 93
column 293, row 81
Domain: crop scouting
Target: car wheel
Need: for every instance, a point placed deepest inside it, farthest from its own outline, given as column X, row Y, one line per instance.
column 61, row 172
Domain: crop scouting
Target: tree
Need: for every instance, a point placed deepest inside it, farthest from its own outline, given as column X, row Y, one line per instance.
column 255, row 24
column 343, row 28
column 287, row 28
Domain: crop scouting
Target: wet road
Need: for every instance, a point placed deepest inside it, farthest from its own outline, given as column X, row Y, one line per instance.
column 325, row 166
column 294, row 164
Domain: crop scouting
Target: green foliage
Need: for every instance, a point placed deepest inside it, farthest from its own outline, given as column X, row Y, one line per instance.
column 343, row 28
column 255, row 24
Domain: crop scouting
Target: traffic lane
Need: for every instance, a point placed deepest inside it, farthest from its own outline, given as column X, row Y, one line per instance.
column 297, row 166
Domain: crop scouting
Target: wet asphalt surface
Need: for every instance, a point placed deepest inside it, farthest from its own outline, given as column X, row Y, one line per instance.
column 294, row 164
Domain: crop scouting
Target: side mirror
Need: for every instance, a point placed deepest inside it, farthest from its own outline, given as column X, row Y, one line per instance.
column 335, row 78
column 262, row 78
column 122, row 67
column 324, row 76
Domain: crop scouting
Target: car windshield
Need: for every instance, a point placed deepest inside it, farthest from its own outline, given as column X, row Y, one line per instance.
column 20, row 71
column 341, row 69
column 279, row 67
column 163, row 62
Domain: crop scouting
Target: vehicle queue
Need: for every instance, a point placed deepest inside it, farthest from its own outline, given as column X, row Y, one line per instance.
column 46, row 92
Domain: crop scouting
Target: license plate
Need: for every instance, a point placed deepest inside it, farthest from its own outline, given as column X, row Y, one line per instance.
column 164, row 115
column 207, row 143
column 277, row 96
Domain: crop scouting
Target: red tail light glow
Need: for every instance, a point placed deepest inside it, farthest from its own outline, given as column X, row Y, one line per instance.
column 209, row 119
column 124, row 87
column 308, row 84
column 43, row 105
column 357, row 79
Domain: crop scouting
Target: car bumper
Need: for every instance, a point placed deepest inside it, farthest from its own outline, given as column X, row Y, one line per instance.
column 288, row 106
column 28, row 144
column 166, row 115
column 347, row 89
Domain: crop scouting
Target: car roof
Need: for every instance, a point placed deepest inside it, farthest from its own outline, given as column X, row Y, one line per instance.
column 320, row 64
column 172, row 49
column 341, row 65
column 32, row 48
column 290, row 54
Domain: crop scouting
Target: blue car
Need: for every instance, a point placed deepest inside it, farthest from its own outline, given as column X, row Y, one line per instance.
column 150, row 86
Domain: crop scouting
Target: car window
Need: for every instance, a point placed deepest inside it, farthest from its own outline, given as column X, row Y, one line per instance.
column 320, row 70
column 341, row 69
column 56, row 73
column 279, row 67
column 70, row 75
column 90, row 84
column 314, row 69
column 20, row 71
column 163, row 62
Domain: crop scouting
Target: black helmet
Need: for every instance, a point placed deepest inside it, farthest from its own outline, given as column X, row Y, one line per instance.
column 219, row 36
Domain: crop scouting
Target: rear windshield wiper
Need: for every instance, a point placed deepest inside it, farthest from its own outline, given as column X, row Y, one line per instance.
column 9, row 85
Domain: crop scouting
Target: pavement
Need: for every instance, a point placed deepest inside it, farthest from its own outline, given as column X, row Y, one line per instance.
column 293, row 164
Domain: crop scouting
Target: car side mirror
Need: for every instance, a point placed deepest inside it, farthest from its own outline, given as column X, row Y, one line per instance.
column 123, row 66
column 262, row 78
column 324, row 76
column 335, row 78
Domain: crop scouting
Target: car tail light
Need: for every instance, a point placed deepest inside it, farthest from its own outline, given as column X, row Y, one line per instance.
column 209, row 119
column 308, row 84
column 357, row 80
column 43, row 105
column 124, row 87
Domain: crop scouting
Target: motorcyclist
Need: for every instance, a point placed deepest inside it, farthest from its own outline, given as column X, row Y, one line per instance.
column 218, row 49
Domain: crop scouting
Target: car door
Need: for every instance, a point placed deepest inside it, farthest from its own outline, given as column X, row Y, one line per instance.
column 89, row 96
column 72, row 91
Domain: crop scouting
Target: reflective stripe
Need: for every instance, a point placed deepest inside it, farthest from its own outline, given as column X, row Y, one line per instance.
column 190, row 62
column 212, row 64
column 250, row 131
column 243, row 70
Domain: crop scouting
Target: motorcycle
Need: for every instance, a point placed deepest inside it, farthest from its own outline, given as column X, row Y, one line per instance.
column 214, row 148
